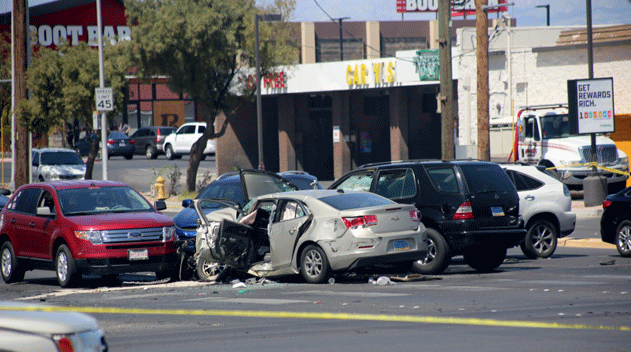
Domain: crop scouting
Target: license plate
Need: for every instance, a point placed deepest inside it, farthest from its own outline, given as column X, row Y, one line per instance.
column 401, row 245
column 122, row 144
column 138, row 254
column 497, row 211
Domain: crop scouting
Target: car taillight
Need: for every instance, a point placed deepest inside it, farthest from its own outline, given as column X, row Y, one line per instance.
column 364, row 221
column 64, row 344
column 415, row 215
column 464, row 212
column 111, row 142
column 606, row 203
column 131, row 141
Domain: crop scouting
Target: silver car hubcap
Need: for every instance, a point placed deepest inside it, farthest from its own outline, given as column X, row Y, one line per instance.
column 431, row 253
column 62, row 266
column 313, row 263
column 541, row 238
column 6, row 263
column 624, row 240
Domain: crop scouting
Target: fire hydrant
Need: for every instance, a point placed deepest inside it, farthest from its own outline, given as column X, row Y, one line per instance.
column 159, row 186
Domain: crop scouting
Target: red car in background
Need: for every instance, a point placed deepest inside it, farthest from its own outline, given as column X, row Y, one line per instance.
column 85, row 227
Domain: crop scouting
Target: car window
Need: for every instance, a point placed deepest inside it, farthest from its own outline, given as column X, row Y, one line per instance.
column 93, row 200
column 25, row 201
column 201, row 129
column 166, row 131
column 345, row 201
column 61, row 158
column 260, row 184
column 225, row 190
column 302, row 182
column 188, row 129
column 486, row 178
column 35, row 158
column 117, row 135
column 46, row 200
column 396, row 183
column 360, row 181
column 523, row 182
column 443, row 178
column 291, row 210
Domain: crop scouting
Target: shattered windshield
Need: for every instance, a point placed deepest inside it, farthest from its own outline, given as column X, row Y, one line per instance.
column 97, row 200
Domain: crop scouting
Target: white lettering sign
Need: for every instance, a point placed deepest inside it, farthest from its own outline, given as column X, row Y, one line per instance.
column 421, row 5
column 44, row 35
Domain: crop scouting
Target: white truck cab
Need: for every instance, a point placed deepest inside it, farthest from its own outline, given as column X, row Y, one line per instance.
column 544, row 139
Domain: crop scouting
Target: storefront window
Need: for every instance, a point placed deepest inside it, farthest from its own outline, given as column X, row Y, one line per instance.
column 132, row 116
column 189, row 111
column 146, row 114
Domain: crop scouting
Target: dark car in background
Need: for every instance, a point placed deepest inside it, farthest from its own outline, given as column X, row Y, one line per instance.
column 470, row 208
column 149, row 140
column 615, row 222
column 118, row 144
column 229, row 186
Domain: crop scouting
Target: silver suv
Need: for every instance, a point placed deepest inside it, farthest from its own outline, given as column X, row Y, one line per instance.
column 57, row 164
column 546, row 206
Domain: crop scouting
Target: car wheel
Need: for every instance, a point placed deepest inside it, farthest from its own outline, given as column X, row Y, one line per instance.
column 623, row 239
column 438, row 255
column 314, row 265
column 129, row 156
column 208, row 271
column 67, row 274
column 151, row 153
column 11, row 272
column 540, row 241
column 172, row 275
column 168, row 151
column 485, row 259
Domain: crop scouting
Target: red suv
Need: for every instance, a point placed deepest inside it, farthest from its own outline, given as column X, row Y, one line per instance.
column 84, row 227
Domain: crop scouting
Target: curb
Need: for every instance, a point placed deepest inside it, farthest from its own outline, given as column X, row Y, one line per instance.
column 584, row 243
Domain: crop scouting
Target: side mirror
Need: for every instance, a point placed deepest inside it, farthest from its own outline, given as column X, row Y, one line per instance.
column 44, row 211
column 160, row 205
column 5, row 191
column 187, row 203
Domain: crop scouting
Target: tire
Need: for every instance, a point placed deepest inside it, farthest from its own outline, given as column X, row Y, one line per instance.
column 67, row 274
column 485, row 259
column 314, row 265
column 623, row 238
column 129, row 156
column 208, row 271
column 168, row 151
column 151, row 153
column 11, row 271
column 541, row 240
column 438, row 255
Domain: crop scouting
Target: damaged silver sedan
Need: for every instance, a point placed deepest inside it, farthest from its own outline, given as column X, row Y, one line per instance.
column 313, row 232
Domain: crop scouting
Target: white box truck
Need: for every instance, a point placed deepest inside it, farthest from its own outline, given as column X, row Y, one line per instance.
column 544, row 139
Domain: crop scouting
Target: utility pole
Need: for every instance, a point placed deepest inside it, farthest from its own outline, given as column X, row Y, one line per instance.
column 482, row 40
column 19, row 135
column 446, row 88
column 341, row 36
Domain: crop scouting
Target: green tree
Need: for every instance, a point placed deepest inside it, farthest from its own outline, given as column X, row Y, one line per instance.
column 203, row 46
column 62, row 84
column 5, row 91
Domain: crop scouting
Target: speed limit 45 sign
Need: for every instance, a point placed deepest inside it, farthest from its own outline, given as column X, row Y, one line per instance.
column 104, row 99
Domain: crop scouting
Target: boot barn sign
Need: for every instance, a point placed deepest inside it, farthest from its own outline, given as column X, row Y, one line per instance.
column 458, row 8
column 47, row 36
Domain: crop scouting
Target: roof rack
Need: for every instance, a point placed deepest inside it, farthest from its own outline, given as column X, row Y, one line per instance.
column 544, row 106
column 364, row 166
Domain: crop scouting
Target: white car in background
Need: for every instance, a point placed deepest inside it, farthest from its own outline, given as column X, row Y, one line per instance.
column 27, row 327
column 57, row 164
column 546, row 206
column 181, row 141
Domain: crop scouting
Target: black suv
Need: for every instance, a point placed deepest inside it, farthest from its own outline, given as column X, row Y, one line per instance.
column 149, row 140
column 470, row 208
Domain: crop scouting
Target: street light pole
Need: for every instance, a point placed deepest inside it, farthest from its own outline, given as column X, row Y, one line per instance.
column 341, row 36
column 547, row 7
column 259, row 113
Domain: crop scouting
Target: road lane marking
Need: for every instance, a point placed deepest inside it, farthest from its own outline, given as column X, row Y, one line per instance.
column 326, row 316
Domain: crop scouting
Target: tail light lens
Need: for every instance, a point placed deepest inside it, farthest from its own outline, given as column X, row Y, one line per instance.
column 415, row 215
column 363, row 221
column 64, row 344
column 464, row 212
column 111, row 142
column 606, row 203
column 132, row 141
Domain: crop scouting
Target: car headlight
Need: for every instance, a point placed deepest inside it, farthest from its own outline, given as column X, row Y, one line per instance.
column 96, row 237
column 168, row 233
column 625, row 161
column 569, row 162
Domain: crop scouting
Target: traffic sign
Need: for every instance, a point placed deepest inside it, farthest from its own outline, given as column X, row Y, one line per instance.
column 104, row 99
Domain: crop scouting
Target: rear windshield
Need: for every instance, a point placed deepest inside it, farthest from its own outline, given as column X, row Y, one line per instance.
column 345, row 201
column 486, row 178
column 226, row 190
column 61, row 158
column 165, row 131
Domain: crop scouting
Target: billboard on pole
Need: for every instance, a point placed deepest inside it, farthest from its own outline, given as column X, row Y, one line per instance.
column 590, row 105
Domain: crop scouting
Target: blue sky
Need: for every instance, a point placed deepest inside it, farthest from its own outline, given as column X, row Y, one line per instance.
column 562, row 12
